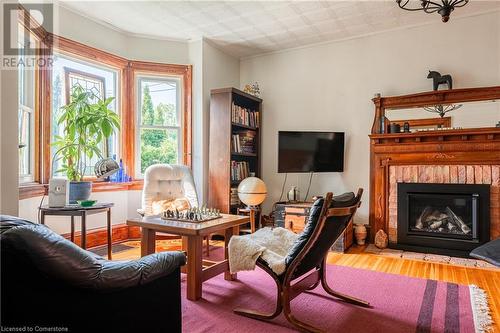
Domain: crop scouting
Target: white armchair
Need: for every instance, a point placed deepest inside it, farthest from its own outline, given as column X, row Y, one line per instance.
column 164, row 182
column 168, row 182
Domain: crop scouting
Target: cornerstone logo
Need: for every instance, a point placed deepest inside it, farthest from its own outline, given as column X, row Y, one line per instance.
column 19, row 48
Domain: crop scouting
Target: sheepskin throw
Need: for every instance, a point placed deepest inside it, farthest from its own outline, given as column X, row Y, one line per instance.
column 271, row 244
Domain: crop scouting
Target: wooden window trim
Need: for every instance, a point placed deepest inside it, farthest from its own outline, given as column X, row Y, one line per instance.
column 126, row 70
column 26, row 21
column 183, row 72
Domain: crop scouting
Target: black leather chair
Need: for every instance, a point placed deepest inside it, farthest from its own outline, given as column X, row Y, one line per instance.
column 47, row 281
column 306, row 259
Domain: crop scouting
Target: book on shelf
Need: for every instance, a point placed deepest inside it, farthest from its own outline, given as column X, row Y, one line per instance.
column 244, row 116
column 234, row 200
column 239, row 170
column 243, row 142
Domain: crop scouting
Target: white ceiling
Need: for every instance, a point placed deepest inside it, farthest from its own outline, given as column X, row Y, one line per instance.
column 245, row 28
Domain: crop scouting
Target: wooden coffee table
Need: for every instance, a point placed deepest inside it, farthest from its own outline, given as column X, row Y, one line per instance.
column 197, row 269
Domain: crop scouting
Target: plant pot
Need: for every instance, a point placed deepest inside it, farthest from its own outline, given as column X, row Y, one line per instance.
column 79, row 191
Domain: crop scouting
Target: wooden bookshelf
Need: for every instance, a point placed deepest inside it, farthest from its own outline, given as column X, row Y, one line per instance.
column 223, row 145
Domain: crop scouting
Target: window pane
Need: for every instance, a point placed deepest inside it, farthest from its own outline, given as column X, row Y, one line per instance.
column 159, row 116
column 159, row 102
column 100, row 80
column 25, row 146
column 26, row 99
column 159, row 146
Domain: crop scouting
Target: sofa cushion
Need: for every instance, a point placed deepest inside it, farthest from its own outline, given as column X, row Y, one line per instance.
column 489, row 252
column 160, row 206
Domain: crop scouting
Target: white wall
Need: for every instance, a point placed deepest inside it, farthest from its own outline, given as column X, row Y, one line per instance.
column 329, row 87
column 125, row 207
column 219, row 71
column 73, row 26
column 196, row 60
column 212, row 69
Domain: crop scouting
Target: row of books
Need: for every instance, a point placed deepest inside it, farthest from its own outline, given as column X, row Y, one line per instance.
column 244, row 116
column 244, row 143
column 235, row 200
column 239, row 170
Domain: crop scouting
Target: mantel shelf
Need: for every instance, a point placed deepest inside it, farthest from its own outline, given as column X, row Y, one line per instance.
column 447, row 96
column 492, row 131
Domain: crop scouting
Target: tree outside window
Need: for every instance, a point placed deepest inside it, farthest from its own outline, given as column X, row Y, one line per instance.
column 159, row 122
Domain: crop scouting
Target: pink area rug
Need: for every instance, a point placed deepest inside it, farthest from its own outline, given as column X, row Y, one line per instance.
column 399, row 304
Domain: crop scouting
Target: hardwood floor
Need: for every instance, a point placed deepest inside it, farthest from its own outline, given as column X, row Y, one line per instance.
column 486, row 278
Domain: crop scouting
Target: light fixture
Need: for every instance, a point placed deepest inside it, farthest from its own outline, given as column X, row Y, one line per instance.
column 441, row 110
column 106, row 167
column 444, row 8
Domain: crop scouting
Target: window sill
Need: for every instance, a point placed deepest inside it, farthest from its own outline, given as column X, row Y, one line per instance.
column 33, row 190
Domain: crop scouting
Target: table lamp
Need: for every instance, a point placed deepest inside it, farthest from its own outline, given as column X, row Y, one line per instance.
column 252, row 192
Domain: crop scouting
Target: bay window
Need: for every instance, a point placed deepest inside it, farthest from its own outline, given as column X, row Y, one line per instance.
column 152, row 99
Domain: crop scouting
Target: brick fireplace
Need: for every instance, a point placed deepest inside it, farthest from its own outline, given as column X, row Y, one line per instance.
column 445, row 174
column 471, row 186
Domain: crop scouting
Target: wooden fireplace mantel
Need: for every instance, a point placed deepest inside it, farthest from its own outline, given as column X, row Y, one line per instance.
column 471, row 146
column 430, row 98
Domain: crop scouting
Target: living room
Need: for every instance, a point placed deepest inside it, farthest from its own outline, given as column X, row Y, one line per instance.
column 203, row 129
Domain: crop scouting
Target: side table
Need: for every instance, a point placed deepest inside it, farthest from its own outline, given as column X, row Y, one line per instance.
column 83, row 212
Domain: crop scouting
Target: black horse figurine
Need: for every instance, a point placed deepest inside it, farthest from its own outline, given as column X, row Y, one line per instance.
column 438, row 79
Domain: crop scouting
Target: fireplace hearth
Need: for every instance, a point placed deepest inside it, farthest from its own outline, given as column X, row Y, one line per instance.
column 448, row 219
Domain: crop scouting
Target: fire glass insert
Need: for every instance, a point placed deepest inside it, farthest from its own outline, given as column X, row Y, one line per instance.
column 450, row 219
column 449, row 215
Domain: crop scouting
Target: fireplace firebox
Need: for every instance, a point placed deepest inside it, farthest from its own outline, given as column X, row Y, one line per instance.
column 447, row 219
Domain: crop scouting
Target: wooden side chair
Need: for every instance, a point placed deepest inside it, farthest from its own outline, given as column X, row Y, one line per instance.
column 306, row 261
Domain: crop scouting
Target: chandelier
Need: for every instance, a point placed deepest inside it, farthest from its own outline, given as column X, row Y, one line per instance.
column 444, row 8
column 441, row 110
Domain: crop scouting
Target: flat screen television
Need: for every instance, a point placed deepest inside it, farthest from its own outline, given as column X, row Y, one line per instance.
column 310, row 151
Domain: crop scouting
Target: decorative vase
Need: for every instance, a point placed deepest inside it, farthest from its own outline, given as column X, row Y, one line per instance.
column 293, row 194
column 79, row 191
column 360, row 233
column 381, row 240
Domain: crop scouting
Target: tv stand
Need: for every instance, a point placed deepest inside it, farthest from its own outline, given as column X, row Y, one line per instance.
column 293, row 216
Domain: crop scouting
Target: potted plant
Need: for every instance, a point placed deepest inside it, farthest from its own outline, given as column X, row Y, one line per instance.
column 86, row 126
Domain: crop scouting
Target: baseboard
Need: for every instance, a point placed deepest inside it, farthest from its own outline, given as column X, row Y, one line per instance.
column 445, row 252
column 98, row 237
column 120, row 233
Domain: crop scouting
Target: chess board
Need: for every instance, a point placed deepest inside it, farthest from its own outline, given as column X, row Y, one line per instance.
column 192, row 215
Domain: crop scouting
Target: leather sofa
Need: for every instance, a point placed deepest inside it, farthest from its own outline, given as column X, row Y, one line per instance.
column 47, row 281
